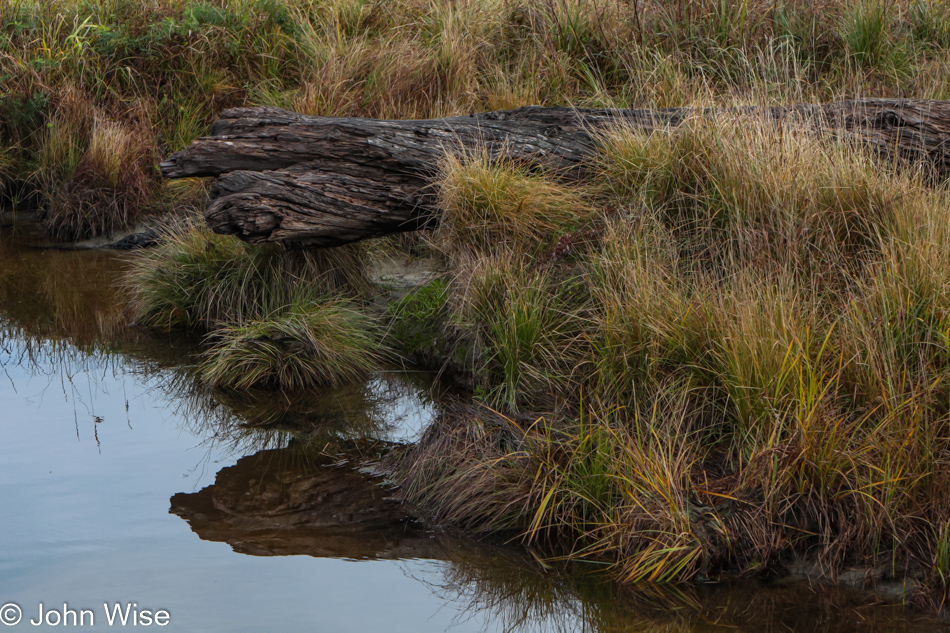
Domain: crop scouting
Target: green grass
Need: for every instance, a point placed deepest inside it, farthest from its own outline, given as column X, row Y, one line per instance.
column 274, row 319
column 310, row 343
column 525, row 331
column 416, row 321
column 80, row 78
column 865, row 29
column 198, row 280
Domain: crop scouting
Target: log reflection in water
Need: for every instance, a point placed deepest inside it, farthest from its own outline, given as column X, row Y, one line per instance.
column 289, row 501
column 292, row 502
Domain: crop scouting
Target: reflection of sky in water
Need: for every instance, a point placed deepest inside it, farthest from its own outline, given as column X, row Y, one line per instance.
column 85, row 512
column 404, row 406
column 94, row 444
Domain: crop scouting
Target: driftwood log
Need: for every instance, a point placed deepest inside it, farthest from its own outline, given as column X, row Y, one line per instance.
column 310, row 181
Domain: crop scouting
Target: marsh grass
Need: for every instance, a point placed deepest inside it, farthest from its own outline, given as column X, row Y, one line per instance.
column 737, row 193
column 525, row 330
column 864, row 29
column 111, row 185
column 162, row 71
column 198, row 280
column 494, row 206
column 275, row 319
column 745, row 360
column 309, row 343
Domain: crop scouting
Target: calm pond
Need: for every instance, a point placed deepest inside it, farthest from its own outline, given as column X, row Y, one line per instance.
column 124, row 483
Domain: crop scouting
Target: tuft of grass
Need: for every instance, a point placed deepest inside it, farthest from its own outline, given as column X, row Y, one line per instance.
column 930, row 23
column 740, row 192
column 417, row 321
column 525, row 329
column 310, row 343
column 864, row 29
column 490, row 205
column 198, row 280
column 645, row 320
column 110, row 187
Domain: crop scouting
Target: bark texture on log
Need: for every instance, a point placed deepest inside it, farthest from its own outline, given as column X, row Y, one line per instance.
column 313, row 181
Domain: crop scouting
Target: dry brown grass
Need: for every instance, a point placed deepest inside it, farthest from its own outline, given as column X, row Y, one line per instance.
column 747, row 360
column 112, row 185
column 162, row 71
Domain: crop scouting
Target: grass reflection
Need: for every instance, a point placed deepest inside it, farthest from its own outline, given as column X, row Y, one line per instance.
column 513, row 593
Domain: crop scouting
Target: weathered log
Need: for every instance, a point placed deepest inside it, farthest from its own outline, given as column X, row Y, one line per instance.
column 312, row 181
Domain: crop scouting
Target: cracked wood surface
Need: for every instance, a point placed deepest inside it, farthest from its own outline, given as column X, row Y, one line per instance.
column 308, row 181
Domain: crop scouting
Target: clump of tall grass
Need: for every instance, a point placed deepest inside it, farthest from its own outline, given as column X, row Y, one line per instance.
column 614, row 490
column 524, row 328
column 930, row 23
column 740, row 192
column 110, row 187
column 646, row 320
column 865, row 30
column 748, row 360
column 309, row 343
column 490, row 205
column 198, row 280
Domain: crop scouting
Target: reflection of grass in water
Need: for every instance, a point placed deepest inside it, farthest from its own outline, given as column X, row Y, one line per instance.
column 509, row 591
column 56, row 294
column 72, row 329
column 503, row 586
column 56, row 359
column 249, row 421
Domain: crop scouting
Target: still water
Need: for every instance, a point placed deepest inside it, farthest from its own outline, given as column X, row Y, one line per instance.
column 124, row 483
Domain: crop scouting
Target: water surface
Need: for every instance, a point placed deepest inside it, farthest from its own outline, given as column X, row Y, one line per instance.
column 123, row 481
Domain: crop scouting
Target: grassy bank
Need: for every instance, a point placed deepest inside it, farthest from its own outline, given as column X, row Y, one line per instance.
column 729, row 347
column 732, row 354
column 94, row 91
